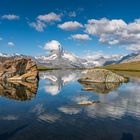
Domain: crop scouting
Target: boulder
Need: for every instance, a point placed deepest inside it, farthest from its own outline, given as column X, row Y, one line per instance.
column 18, row 69
column 102, row 76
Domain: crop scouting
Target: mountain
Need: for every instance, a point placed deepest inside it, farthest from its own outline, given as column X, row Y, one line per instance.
column 102, row 60
column 129, row 58
column 61, row 59
column 114, row 59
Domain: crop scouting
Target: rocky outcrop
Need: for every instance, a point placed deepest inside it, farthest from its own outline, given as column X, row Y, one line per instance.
column 18, row 69
column 102, row 76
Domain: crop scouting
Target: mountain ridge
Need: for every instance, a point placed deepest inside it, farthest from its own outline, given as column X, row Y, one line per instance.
column 64, row 59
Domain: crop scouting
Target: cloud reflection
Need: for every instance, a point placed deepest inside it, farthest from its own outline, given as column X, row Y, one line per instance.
column 58, row 78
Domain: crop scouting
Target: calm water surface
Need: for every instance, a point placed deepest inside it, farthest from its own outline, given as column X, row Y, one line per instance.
column 52, row 112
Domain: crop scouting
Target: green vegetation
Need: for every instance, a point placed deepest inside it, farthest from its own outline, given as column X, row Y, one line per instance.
column 131, row 66
column 134, row 74
column 43, row 68
column 130, row 69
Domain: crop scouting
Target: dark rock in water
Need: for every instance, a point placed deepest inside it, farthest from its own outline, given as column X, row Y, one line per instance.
column 103, row 88
column 21, row 91
column 18, row 68
column 102, row 76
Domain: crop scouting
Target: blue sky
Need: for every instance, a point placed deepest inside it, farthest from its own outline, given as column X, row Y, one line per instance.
column 81, row 26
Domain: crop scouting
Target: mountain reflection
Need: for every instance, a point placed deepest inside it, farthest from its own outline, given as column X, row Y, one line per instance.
column 56, row 79
column 21, row 91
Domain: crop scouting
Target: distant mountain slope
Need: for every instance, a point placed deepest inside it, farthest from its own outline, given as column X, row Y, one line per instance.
column 130, row 58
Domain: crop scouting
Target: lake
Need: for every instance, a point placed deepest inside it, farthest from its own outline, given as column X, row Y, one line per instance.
column 51, row 109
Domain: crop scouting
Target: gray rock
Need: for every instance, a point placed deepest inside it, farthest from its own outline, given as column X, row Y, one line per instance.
column 102, row 76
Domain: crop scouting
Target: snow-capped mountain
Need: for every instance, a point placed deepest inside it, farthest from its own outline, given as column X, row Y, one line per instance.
column 113, row 59
column 61, row 59
column 68, row 60
column 129, row 58
column 102, row 60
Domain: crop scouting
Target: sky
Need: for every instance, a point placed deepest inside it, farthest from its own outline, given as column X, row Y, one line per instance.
column 106, row 27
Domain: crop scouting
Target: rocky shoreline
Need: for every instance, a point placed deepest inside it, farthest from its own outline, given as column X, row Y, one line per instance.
column 18, row 69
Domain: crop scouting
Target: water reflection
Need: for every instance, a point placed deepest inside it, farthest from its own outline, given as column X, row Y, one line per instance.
column 21, row 91
column 116, row 116
column 100, row 87
column 58, row 78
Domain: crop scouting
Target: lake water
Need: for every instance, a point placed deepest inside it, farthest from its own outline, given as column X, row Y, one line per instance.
column 52, row 111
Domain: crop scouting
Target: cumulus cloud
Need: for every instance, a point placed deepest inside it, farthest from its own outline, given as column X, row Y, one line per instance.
column 116, row 32
column 38, row 25
column 10, row 17
column 43, row 20
column 11, row 44
column 70, row 25
column 97, row 27
column 50, row 17
column 52, row 45
column 80, row 37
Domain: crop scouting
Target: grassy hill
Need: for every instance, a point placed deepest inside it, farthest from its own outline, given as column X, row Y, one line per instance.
column 131, row 69
column 130, row 66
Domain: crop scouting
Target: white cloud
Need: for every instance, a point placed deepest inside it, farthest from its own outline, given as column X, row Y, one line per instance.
column 116, row 32
column 94, row 55
column 43, row 20
column 134, row 47
column 38, row 25
column 70, row 25
column 11, row 44
column 52, row 45
column 49, row 17
column 72, row 14
column 80, row 37
column 1, row 38
column 97, row 27
column 10, row 17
